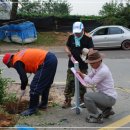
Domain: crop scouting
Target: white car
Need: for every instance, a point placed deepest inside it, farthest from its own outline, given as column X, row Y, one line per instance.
column 111, row 36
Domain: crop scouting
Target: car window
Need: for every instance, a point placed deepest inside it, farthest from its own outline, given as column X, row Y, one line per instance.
column 115, row 30
column 102, row 31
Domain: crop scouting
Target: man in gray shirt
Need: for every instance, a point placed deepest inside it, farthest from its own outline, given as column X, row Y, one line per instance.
column 105, row 96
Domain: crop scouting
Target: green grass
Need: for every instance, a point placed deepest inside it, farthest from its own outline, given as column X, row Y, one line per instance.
column 44, row 39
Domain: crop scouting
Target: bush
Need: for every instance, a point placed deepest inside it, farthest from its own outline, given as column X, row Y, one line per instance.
column 3, row 85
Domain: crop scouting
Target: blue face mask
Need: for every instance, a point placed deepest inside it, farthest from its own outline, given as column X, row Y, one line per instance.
column 77, row 40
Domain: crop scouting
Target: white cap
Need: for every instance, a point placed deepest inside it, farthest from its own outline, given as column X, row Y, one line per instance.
column 78, row 27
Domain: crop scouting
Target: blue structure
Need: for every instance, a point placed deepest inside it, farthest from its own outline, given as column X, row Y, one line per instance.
column 3, row 31
column 21, row 33
column 24, row 127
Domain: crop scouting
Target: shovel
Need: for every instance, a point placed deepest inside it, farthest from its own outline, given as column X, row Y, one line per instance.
column 17, row 105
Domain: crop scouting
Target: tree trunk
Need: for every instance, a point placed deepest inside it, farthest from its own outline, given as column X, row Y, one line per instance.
column 14, row 9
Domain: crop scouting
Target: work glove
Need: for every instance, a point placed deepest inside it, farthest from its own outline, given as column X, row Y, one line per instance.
column 84, row 55
column 22, row 93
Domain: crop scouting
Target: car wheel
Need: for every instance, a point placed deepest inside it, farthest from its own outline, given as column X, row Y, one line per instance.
column 126, row 45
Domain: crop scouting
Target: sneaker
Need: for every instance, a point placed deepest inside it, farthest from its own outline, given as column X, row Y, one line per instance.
column 82, row 105
column 92, row 119
column 66, row 105
column 108, row 112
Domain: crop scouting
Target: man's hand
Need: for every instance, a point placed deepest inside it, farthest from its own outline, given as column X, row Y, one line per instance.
column 22, row 93
column 81, row 74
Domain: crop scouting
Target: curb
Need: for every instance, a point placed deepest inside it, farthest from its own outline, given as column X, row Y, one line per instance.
column 55, row 49
column 14, row 51
column 10, row 51
column 53, row 85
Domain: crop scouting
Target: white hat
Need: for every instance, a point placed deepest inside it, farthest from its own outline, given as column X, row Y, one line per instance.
column 78, row 27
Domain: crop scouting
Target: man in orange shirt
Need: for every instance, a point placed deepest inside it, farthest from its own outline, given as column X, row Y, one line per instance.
column 40, row 62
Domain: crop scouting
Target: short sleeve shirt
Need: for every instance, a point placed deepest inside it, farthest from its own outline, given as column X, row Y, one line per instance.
column 85, row 42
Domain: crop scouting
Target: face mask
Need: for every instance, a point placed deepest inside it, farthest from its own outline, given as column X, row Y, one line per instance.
column 77, row 40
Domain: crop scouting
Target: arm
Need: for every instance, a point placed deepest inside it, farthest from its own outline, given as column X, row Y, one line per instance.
column 97, row 78
column 81, row 74
column 67, row 50
column 19, row 66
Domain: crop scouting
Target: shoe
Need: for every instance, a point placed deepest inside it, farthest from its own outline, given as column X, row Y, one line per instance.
column 108, row 112
column 34, row 100
column 28, row 112
column 92, row 119
column 67, row 103
column 42, row 107
column 82, row 105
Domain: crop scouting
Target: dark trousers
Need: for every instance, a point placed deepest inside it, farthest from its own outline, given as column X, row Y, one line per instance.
column 44, row 77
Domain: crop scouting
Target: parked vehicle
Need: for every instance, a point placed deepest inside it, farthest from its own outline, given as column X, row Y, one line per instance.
column 111, row 36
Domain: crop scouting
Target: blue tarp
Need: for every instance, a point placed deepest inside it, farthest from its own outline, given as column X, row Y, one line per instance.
column 3, row 30
column 24, row 127
column 21, row 33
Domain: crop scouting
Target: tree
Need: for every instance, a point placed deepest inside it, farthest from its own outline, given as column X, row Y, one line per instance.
column 109, row 9
column 14, row 9
column 29, row 7
column 41, row 8
column 57, row 8
column 114, row 13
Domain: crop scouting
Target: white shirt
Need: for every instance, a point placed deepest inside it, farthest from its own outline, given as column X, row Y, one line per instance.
column 102, row 79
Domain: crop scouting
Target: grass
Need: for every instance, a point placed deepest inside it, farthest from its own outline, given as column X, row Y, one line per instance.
column 45, row 39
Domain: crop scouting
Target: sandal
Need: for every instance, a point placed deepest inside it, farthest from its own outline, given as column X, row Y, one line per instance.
column 92, row 119
column 108, row 112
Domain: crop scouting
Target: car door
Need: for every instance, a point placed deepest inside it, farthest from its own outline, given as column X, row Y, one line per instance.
column 100, row 38
column 115, row 36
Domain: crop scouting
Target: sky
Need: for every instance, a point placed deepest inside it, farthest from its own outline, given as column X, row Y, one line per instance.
column 87, row 7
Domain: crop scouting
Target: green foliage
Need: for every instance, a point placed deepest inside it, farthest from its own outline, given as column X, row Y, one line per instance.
column 10, row 97
column 109, row 9
column 3, row 86
column 44, row 8
column 114, row 13
column 29, row 7
column 4, row 96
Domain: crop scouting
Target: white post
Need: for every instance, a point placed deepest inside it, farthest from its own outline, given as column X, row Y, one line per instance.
column 77, row 103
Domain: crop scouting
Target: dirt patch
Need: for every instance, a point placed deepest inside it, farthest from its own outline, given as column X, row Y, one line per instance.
column 56, row 97
column 15, row 107
column 7, row 120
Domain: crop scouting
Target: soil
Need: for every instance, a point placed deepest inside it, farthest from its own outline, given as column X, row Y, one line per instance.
column 7, row 120
column 14, row 108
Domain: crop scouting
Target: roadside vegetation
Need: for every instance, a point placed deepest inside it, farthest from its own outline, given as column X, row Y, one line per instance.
column 44, row 39
column 6, row 96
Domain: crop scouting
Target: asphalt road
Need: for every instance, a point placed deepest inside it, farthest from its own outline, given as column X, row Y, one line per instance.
column 117, row 60
column 119, row 63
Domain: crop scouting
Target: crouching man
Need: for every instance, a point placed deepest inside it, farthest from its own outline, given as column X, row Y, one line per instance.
column 105, row 96
column 40, row 62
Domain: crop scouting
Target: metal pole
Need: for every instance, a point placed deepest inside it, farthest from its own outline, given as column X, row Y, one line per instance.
column 77, row 103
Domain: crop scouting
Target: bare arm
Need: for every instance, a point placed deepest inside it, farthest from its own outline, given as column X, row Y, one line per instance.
column 67, row 51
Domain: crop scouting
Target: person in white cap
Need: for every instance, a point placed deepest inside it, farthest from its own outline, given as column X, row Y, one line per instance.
column 105, row 95
column 76, row 44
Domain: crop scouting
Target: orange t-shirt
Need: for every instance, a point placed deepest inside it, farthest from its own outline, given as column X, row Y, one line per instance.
column 31, row 58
